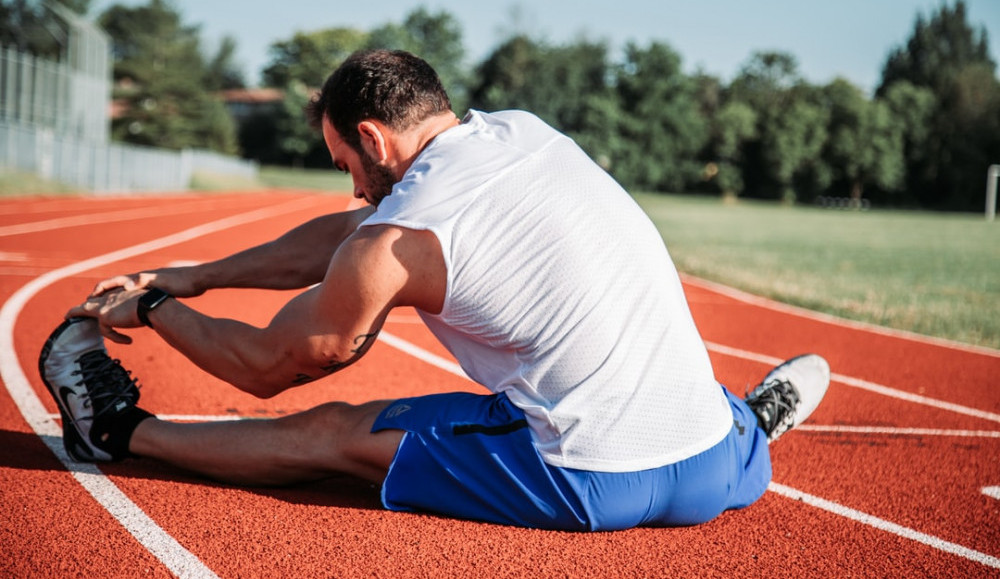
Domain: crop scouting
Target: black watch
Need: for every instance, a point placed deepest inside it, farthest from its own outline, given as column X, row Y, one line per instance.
column 148, row 302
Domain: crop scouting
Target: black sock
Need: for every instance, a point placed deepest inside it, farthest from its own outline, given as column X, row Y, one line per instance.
column 113, row 433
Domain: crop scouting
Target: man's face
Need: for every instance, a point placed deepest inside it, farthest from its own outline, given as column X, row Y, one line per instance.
column 372, row 181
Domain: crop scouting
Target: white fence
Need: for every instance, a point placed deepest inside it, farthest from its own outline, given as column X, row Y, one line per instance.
column 53, row 94
column 54, row 123
column 107, row 167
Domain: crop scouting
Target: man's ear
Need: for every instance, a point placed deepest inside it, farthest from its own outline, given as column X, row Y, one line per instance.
column 374, row 140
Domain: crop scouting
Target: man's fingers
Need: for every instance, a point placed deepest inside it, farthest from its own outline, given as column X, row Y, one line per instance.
column 80, row 311
column 116, row 337
column 125, row 282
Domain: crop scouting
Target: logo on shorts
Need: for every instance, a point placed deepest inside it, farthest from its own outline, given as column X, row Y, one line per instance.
column 396, row 410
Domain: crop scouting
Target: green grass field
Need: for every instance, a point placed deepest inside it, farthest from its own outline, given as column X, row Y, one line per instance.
column 316, row 179
column 13, row 183
column 931, row 273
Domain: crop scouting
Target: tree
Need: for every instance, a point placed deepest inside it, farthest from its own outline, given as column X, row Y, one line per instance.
column 792, row 141
column 310, row 57
column 766, row 79
column 865, row 145
column 562, row 85
column 30, row 27
column 733, row 126
column 790, row 130
column 950, row 58
column 965, row 140
column 160, row 72
column 222, row 72
column 912, row 109
column 506, row 78
column 662, row 127
column 937, row 50
column 296, row 139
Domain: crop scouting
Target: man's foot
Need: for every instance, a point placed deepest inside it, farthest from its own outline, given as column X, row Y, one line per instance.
column 789, row 394
column 95, row 395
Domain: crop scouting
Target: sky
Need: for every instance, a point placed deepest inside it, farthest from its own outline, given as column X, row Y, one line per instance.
column 846, row 38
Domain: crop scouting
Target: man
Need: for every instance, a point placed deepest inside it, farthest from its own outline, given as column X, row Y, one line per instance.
column 528, row 262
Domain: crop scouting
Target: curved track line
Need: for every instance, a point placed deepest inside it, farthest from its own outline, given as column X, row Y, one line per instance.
column 884, row 525
column 863, row 384
column 832, row 319
column 164, row 547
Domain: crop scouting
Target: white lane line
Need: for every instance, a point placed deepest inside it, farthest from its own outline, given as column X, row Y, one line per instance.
column 863, row 384
column 421, row 354
column 993, row 492
column 164, row 547
column 54, row 416
column 107, row 217
column 770, row 304
column 898, row 431
column 884, row 525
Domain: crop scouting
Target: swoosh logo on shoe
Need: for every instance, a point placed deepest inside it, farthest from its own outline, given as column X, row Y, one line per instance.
column 76, row 450
column 64, row 393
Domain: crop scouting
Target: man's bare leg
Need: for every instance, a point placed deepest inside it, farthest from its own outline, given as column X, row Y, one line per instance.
column 329, row 439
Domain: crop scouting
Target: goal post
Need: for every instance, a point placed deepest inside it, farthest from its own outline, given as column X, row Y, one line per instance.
column 991, row 192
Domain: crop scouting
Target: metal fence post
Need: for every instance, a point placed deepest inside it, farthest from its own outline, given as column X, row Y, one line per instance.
column 991, row 192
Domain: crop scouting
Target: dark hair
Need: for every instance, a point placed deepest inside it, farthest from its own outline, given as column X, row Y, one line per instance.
column 393, row 87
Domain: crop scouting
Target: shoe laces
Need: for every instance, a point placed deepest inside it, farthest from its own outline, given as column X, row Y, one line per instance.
column 108, row 384
column 774, row 402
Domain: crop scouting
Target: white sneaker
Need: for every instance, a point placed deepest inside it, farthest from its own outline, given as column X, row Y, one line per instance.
column 789, row 394
column 91, row 389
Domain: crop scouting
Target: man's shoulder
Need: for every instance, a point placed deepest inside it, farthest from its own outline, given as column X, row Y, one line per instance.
column 406, row 261
column 400, row 240
column 506, row 120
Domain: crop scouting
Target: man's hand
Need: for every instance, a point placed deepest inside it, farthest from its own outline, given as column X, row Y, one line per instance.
column 114, row 308
column 176, row 281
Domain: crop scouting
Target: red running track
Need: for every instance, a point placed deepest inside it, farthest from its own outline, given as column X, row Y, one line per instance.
column 896, row 474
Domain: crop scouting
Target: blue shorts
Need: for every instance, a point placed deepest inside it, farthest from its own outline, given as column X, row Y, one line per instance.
column 471, row 456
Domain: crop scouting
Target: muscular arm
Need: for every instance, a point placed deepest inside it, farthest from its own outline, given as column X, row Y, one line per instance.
column 322, row 330
column 295, row 260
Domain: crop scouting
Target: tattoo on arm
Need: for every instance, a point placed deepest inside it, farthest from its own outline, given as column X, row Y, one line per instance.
column 334, row 366
column 362, row 343
column 366, row 341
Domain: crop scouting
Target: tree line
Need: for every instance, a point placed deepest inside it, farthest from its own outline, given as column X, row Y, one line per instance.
column 925, row 138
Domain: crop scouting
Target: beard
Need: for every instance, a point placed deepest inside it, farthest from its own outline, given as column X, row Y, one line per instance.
column 380, row 179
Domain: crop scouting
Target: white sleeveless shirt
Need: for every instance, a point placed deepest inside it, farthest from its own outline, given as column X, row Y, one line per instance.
column 561, row 294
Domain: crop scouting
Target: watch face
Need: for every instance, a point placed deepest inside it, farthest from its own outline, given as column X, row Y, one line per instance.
column 152, row 297
column 148, row 302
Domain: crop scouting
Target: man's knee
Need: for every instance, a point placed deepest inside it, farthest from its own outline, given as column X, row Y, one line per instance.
column 336, row 437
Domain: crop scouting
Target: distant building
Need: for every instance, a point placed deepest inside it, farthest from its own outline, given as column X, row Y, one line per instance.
column 243, row 103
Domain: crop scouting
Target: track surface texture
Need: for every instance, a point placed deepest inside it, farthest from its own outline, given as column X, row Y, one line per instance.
column 895, row 475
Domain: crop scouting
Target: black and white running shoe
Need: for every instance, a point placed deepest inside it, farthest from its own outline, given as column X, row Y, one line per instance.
column 94, row 393
column 789, row 394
